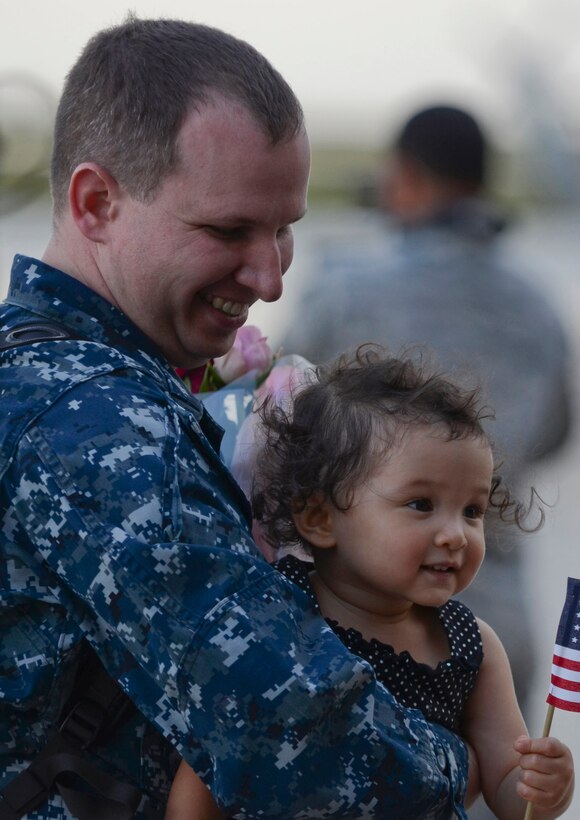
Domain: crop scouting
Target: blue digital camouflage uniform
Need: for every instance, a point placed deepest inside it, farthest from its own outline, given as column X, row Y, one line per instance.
column 121, row 524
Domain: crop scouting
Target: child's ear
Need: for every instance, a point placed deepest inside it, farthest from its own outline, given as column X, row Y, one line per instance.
column 315, row 522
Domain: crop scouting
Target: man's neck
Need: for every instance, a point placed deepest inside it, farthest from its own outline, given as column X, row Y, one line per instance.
column 76, row 260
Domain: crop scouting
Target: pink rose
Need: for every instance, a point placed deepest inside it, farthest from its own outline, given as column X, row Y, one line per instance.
column 249, row 352
column 278, row 383
column 281, row 382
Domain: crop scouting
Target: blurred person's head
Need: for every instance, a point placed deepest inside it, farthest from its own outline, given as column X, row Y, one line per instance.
column 438, row 157
column 180, row 163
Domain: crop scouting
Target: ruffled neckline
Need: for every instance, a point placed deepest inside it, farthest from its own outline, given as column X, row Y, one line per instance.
column 354, row 638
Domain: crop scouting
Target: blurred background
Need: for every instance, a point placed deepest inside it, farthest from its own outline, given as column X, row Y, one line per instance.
column 359, row 70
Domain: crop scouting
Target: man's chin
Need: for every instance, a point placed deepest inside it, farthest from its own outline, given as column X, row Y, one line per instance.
column 191, row 355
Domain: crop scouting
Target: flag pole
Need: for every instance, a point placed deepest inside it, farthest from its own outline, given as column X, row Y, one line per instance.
column 547, row 726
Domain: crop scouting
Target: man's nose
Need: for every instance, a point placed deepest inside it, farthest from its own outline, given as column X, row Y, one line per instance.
column 263, row 269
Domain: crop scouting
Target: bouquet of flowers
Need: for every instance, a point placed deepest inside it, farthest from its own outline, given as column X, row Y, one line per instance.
column 234, row 385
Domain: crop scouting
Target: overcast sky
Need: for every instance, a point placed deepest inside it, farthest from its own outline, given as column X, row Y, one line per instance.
column 355, row 65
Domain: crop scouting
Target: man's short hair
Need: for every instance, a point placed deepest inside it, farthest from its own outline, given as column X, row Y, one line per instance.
column 448, row 141
column 126, row 97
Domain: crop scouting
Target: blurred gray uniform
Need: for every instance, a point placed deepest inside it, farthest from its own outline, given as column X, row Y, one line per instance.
column 442, row 284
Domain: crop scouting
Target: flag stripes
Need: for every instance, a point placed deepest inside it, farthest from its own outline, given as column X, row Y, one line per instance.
column 567, row 704
column 564, row 691
column 565, row 683
column 569, row 657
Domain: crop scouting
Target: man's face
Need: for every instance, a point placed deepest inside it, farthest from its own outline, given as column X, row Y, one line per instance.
column 216, row 238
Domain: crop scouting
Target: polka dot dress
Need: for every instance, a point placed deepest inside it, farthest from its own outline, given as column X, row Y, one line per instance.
column 439, row 693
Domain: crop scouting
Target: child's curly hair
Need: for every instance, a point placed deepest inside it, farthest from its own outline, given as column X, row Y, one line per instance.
column 338, row 428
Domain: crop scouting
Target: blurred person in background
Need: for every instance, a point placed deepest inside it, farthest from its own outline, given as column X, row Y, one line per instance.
column 441, row 282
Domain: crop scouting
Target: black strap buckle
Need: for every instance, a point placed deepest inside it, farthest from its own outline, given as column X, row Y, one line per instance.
column 96, row 706
column 83, row 723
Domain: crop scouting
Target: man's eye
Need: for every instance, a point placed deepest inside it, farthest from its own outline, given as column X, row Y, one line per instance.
column 420, row 504
column 227, row 233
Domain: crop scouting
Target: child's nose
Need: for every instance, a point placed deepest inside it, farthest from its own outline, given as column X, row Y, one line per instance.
column 451, row 535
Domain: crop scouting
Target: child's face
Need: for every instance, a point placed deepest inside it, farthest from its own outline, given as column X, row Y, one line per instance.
column 414, row 534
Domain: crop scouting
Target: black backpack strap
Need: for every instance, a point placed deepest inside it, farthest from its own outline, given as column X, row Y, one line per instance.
column 94, row 710
column 96, row 707
column 53, row 769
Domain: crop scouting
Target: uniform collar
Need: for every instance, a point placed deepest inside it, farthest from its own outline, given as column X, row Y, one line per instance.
column 55, row 296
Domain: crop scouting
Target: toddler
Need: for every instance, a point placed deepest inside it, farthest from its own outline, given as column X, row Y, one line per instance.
column 383, row 472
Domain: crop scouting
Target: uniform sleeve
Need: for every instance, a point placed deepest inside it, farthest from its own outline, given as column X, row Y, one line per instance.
column 226, row 657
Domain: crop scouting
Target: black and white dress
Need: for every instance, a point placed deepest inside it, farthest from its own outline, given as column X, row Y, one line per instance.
column 441, row 693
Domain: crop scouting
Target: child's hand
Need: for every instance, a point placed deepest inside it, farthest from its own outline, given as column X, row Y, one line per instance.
column 546, row 773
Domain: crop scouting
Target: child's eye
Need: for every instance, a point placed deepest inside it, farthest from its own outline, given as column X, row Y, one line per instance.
column 420, row 504
column 473, row 511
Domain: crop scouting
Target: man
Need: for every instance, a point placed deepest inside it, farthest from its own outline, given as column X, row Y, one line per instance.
column 440, row 282
column 180, row 164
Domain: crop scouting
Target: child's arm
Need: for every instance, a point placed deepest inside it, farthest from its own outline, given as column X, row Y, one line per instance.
column 190, row 799
column 513, row 769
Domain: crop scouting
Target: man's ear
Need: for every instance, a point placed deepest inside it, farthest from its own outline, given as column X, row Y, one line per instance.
column 93, row 195
column 315, row 522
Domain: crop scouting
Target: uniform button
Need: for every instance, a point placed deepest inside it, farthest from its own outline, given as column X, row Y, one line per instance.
column 441, row 760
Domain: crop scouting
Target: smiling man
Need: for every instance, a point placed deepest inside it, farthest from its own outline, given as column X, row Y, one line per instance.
column 216, row 236
column 180, row 164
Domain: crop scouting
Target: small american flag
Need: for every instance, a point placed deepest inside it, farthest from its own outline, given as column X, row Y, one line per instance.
column 565, row 682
